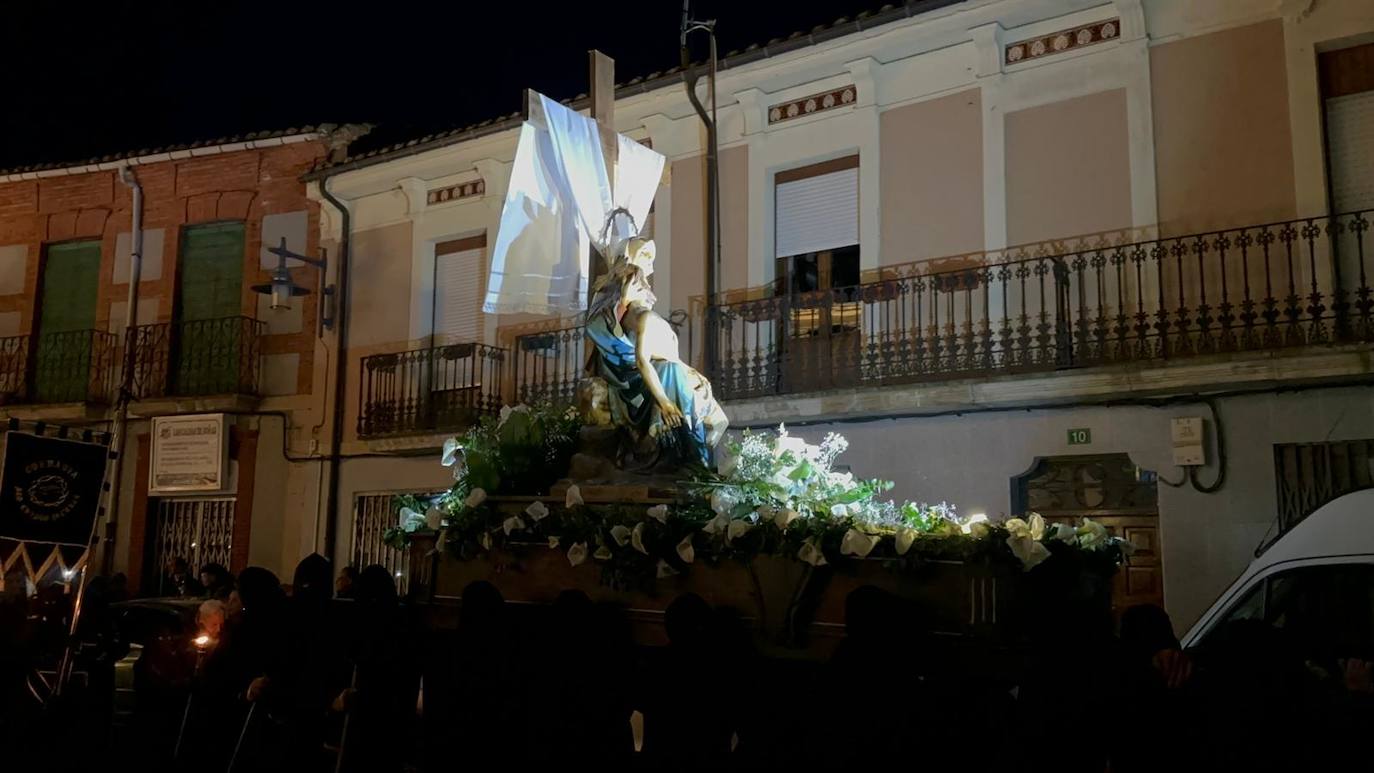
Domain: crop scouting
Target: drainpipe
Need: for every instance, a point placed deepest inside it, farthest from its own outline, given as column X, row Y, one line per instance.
column 331, row 524
column 119, row 434
column 712, row 174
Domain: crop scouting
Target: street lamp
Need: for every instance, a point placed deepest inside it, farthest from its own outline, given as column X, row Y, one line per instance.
column 282, row 288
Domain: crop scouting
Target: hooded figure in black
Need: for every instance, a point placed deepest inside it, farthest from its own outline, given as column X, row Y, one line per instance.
column 313, row 668
column 381, row 702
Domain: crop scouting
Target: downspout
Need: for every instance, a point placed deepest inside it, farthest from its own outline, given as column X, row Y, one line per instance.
column 119, row 431
column 331, row 524
column 709, row 344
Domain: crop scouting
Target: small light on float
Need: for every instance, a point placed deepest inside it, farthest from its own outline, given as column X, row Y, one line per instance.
column 202, row 641
column 972, row 519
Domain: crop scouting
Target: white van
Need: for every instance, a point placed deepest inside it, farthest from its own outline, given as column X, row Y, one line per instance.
column 1315, row 583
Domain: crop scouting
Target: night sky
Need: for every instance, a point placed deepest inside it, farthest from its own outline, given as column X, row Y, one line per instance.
column 80, row 82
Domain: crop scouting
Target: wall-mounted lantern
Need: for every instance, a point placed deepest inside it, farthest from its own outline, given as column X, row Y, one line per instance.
column 282, row 288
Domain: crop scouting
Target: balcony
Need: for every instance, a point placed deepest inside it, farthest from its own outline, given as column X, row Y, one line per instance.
column 440, row 389
column 1259, row 288
column 196, row 359
column 57, row 368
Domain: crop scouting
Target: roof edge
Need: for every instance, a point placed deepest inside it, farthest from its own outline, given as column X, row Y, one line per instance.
column 636, row 86
column 185, row 152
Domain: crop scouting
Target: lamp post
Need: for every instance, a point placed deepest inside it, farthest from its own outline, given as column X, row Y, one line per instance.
column 282, row 288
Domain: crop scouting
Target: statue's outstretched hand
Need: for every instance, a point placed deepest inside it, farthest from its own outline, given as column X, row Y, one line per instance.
column 672, row 415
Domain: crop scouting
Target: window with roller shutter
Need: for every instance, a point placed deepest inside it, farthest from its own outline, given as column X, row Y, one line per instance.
column 1347, row 77
column 816, row 265
column 458, row 272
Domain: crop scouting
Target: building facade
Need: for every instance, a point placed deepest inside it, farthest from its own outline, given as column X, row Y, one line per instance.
column 204, row 341
column 999, row 245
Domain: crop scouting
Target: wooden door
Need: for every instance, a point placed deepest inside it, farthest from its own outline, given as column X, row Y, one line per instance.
column 1109, row 489
column 64, row 345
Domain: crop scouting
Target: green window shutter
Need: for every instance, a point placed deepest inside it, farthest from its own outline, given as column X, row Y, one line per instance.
column 71, row 278
column 211, row 276
column 71, row 281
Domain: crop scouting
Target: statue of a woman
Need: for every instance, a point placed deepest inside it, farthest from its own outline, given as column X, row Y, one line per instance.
column 650, row 390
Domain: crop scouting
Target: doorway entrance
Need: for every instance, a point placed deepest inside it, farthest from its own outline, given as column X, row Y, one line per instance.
column 1114, row 491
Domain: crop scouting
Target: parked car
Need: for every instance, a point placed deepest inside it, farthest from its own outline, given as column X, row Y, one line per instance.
column 158, row 633
column 1314, row 585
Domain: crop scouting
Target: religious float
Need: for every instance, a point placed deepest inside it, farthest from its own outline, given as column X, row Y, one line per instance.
column 637, row 494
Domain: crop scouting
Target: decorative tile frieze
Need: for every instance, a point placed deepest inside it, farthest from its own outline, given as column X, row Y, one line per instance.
column 816, row 103
column 465, row 190
column 1059, row 42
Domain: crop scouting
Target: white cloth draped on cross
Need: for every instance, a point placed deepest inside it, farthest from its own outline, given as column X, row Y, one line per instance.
column 556, row 208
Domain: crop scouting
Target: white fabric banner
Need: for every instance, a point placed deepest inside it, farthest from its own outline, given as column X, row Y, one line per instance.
column 556, row 208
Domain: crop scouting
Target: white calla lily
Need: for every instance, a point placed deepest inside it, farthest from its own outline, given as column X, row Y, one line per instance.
column 577, row 553
column 475, row 497
column 811, row 553
column 1092, row 535
column 1028, row 551
column 434, row 518
column 902, row 540
column 574, row 496
column 637, row 538
column 974, row 519
column 857, row 543
column 513, row 523
column 621, row 534
column 602, row 553
column 978, row 530
column 553, row 542
column 1036, row 524
column 453, row 448
column 664, row 569
column 485, row 540
column 658, row 513
column 537, row 511
column 717, row 525
column 737, row 529
column 1063, row 532
column 686, row 551
column 784, row 517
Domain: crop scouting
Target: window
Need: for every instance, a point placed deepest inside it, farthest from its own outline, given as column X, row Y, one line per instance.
column 817, row 243
column 1347, row 80
column 458, row 272
column 1324, row 612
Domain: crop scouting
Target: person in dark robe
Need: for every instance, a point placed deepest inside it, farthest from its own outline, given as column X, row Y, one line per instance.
column 179, row 581
column 217, row 581
column 380, row 702
column 685, row 726
column 313, row 668
column 482, row 696
column 343, row 584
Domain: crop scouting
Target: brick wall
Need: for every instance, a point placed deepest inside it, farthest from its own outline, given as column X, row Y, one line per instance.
column 245, row 185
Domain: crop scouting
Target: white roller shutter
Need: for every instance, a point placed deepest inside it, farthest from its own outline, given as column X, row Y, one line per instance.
column 458, row 295
column 1350, row 149
column 818, row 213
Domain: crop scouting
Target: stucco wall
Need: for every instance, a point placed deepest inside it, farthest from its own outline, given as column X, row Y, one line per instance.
column 1223, row 145
column 932, row 178
column 1068, row 168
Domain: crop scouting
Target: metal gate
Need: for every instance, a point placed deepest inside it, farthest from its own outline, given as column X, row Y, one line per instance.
column 198, row 530
column 373, row 514
column 1311, row 474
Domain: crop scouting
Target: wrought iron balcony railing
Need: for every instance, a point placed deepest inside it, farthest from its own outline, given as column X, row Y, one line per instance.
column 197, row 358
column 1262, row 287
column 14, row 369
column 549, row 364
column 429, row 390
column 69, row 367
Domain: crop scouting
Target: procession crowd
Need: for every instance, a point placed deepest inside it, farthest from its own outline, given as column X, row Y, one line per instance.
column 337, row 674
